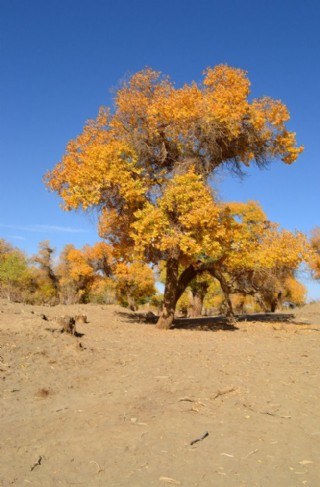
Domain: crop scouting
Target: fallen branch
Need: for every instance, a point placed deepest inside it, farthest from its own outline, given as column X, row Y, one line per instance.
column 275, row 415
column 222, row 393
column 36, row 464
column 200, row 439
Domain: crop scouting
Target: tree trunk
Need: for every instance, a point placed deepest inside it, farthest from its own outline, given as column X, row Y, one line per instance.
column 230, row 312
column 273, row 305
column 198, row 296
column 185, row 278
column 261, row 303
column 196, row 309
column 132, row 304
column 170, row 295
column 226, row 293
column 276, row 302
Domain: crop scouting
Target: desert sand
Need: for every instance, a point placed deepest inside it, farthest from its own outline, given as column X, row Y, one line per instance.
column 122, row 403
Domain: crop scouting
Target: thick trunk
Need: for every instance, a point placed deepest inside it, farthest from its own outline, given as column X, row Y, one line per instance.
column 175, row 287
column 170, row 295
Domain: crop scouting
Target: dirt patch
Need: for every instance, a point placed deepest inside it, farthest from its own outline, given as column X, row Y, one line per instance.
column 128, row 405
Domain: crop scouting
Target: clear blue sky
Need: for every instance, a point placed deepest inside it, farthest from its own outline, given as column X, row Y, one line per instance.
column 61, row 58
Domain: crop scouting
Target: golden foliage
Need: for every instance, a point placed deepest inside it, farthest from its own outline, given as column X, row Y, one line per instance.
column 125, row 160
column 185, row 218
column 133, row 282
column 314, row 260
column 258, row 243
column 145, row 167
column 294, row 291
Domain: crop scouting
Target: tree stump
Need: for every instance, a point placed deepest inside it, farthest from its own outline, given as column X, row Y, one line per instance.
column 68, row 324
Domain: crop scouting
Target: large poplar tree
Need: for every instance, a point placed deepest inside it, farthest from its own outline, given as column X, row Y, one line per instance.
column 145, row 166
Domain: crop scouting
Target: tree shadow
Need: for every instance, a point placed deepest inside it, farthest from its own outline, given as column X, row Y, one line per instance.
column 202, row 323
column 268, row 317
column 206, row 323
column 212, row 323
column 134, row 317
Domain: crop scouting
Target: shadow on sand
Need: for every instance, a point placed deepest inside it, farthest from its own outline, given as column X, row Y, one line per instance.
column 207, row 323
column 203, row 323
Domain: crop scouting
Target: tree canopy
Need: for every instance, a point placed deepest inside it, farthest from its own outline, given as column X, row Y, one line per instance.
column 146, row 164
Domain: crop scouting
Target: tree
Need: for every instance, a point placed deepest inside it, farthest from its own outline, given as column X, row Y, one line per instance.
column 44, row 261
column 191, row 301
column 213, row 300
column 314, row 261
column 134, row 283
column 14, row 272
column 75, row 275
column 294, row 291
column 151, row 158
column 260, row 258
column 102, row 290
column 86, row 274
column 100, row 258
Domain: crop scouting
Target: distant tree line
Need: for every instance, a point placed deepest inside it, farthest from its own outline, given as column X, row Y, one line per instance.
column 85, row 275
column 256, row 273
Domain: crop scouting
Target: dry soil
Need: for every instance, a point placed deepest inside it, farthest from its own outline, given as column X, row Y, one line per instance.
column 122, row 403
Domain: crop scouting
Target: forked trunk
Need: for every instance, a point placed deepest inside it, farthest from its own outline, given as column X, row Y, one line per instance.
column 170, row 295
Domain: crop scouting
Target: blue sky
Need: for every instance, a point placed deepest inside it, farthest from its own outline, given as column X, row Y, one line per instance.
column 60, row 60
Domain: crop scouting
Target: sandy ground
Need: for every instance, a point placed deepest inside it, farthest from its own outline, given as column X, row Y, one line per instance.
column 121, row 404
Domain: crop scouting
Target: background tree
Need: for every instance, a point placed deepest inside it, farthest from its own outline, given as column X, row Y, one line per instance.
column 315, row 256
column 14, row 273
column 214, row 301
column 260, row 258
column 47, row 280
column 102, row 290
column 75, row 275
column 134, row 284
column 191, row 302
column 134, row 163
column 294, row 291
column 100, row 258
column 199, row 288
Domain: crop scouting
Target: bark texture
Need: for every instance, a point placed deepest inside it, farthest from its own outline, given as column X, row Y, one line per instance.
column 170, row 295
